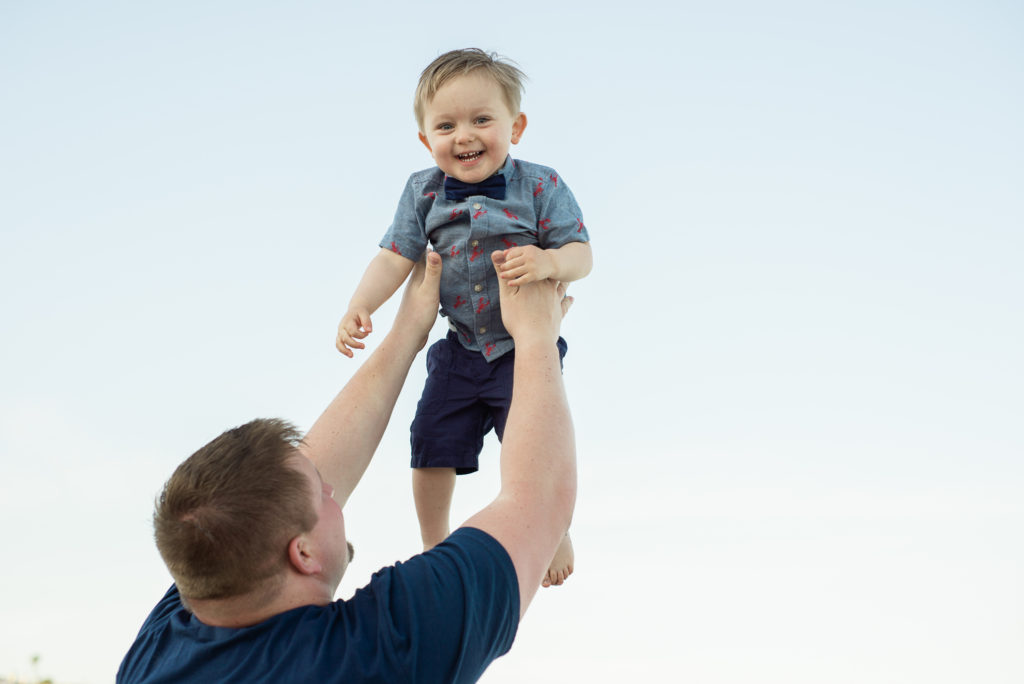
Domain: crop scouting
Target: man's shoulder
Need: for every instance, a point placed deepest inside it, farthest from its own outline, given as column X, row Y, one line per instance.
column 469, row 563
column 465, row 549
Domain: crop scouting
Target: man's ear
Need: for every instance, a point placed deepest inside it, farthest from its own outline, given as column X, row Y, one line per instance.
column 301, row 557
column 518, row 126
column 423, row 139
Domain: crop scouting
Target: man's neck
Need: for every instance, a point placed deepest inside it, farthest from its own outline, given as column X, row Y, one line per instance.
column 250, row 609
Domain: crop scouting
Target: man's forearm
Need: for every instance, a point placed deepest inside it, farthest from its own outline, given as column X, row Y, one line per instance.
column 538, row 452
column 533, row 510
column 345, row 437
column 343, row 440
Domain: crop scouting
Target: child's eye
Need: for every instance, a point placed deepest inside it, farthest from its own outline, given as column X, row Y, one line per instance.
column 445, row 127
column 482, row 119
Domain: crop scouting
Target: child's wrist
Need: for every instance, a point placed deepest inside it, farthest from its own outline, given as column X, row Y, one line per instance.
column 556, row 264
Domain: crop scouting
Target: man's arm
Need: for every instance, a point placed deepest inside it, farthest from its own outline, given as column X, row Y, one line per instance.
column 538, row 453
column 530, row 263
column 344, row 439
column 382, row 277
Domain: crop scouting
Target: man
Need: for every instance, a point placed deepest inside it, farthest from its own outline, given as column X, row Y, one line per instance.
column 251, row 529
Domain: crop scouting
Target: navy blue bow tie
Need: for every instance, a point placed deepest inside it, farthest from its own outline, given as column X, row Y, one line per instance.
column 493, row 187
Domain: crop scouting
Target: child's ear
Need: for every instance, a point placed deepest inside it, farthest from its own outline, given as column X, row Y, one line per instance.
column 518, row 126
column 423, row 139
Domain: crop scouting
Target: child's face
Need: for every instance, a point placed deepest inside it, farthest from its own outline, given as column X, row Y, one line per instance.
column 468, row 127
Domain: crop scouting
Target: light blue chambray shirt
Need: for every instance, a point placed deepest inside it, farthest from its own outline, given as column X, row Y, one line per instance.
column 538, row 209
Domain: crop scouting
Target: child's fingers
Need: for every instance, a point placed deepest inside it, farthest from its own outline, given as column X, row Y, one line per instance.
column 513, row 272
column 357, row 327
column 516, row 262
column 346, row 340
column 357, row 322
column 340, row 345
column 522, row 280
column 353, row 327
column 339, row 340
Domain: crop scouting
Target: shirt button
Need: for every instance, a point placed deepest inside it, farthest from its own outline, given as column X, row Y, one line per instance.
column 483, row 330
column 477, row 288
column 474, row 243
column 476, row 206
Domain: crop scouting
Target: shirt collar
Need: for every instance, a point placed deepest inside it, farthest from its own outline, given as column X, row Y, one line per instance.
column 508, row 168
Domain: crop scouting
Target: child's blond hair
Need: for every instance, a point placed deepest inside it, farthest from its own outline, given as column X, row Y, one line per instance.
column 459, row 63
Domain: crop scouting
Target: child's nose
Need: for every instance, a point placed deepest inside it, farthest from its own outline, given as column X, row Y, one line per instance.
column 465, row 134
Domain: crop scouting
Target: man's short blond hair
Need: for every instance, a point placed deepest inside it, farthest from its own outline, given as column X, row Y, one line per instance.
column 461, row 62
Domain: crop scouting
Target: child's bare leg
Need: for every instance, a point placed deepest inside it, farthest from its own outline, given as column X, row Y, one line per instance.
column 432, row 489
column 561, row 564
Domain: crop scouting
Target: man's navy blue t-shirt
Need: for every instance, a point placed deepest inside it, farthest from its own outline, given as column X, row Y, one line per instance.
column 441, row 616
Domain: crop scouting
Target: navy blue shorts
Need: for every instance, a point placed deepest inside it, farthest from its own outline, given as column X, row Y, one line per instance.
column 463, row 398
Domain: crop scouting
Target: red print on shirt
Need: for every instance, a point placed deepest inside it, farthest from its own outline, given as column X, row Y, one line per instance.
column 455, row 213
column 539, row 189
column 489, row 348
column 394, row 248
column 510, row 215
column 479, row 213
column 431, row 195
column 459, row 301
column 483, row 304
column 580, row 229
column 508, row 243
column 545, row 224
column 554, row 179
column 477, row 251
column 454, row 251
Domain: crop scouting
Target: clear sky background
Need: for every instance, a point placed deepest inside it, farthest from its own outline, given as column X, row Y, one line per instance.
column 795, row 370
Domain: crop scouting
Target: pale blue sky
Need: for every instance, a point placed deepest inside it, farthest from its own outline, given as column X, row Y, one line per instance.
column 795, row 369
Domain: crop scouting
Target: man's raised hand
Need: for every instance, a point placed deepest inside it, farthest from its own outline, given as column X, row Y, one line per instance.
column 533, row 310
column 421, row 297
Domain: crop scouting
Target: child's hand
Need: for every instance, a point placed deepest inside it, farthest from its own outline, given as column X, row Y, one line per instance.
column 353, row 327
column 533, row 312
column 527, row 264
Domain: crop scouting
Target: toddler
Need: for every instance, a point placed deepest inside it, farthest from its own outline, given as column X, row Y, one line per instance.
column 476, row 201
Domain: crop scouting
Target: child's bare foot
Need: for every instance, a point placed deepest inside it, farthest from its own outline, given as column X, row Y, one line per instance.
column 561, row 564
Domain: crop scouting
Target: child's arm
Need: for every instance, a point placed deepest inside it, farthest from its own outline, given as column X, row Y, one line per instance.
column 385, row 273
column 528, row 263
